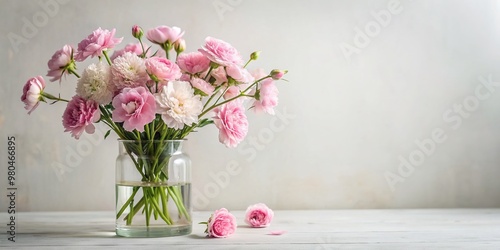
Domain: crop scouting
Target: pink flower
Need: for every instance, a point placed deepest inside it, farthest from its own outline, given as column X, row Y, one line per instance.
column 60, row 62
column 232, row 123
column 259, row 215
column 32, row 93
column 231, row 92
column 128, row 71
column 220, row 52
column 135, row 107
column 162, row 34
column 221, row 224
column 239, row 74
column 79, row 116
column 220, row 75
column 162, row 69
column 97, row 42
column 268, row 97
column 203, row 86
column 134, row 48
column 193, row 63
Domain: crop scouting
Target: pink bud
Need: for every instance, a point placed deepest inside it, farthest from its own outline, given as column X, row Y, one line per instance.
column 277, row 74
column 180, row 45
column 137, row 31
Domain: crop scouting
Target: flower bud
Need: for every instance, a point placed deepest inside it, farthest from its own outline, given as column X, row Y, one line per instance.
column 180, row 45
column 137, row 31
column 277, row 74
column 255, row 55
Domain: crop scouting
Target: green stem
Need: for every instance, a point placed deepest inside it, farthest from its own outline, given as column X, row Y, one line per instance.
column 130, row 199
column 53, row 98
column 105, row 53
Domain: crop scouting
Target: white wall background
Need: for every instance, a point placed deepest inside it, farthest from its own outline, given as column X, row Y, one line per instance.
column 350, row 119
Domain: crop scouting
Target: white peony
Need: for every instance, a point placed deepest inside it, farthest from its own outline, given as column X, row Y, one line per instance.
column 129, row 71
column 95, row 84
column 178, row 105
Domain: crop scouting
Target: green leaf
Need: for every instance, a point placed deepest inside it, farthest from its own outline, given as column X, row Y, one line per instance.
column 204, row 122
column 107, row 133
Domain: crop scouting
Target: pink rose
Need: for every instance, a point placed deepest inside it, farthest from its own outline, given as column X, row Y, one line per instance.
column 97, row 42
column 135, row 107
column 221, row 224
column 162, row 69
column 32, row 93
column 202, row 85
column 134, row 48
column 60, row 62
column 268, row 97
column 239, row 74
column 232, row 123
column 162, row 34
column 220, row 52
column 231, row 92
column 79, row 116
column 259, row 215
column 193, row 63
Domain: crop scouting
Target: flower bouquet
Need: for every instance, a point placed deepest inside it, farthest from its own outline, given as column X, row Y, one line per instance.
column 152, row 102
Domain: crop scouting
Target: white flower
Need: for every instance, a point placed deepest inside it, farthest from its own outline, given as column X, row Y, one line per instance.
column 129, row 71
column 178, row 105
column 95, row 84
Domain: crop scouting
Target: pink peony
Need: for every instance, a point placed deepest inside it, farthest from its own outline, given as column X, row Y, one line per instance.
column 221, row 224
column 135, row 107
column 268, row 97
column 79, row 116
column 203, row 86
column 220, row 52
column 163, row 34
column 162, row 69
column 97, row 42
column 259, row 215
column 232, row 123
column 239, row 74
column 193, row 63
column 134, row 48
column 60, row 62
column 32, row 93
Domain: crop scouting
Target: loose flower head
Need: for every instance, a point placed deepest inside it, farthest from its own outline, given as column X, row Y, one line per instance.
column 100, row 40
column 135, row 107
column 178, row 105
column 32, row 93
column 259, row 215
column 94, row 83
column 79, row 116
column 61, row 63
column 221, row 224
column 232, row 123
column 220, row 52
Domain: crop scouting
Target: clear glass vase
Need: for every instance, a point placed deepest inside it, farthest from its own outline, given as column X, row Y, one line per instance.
column 153, row 189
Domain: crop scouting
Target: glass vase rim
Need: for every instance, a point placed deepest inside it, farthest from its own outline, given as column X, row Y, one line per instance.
column 159, row 141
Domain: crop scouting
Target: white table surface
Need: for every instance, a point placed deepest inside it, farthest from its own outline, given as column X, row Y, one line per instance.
column 325, row 229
